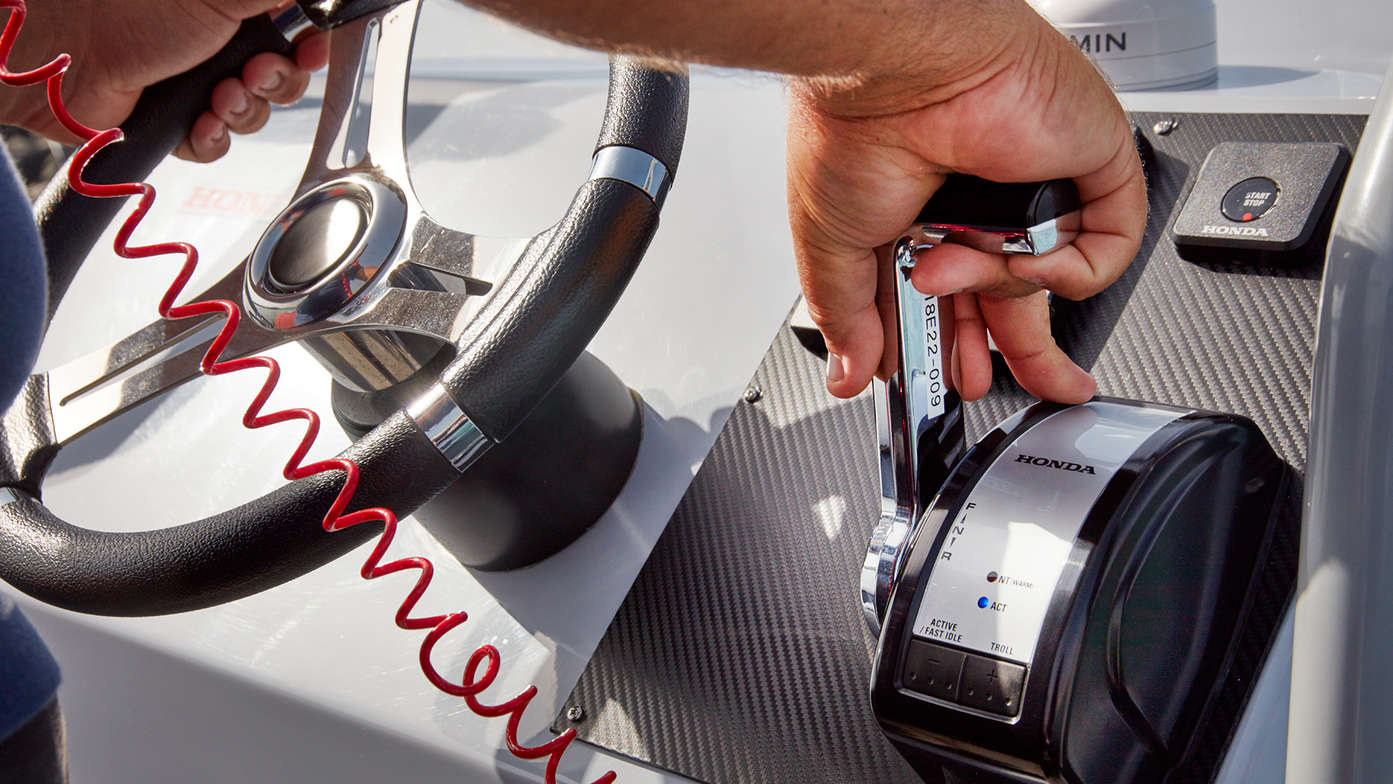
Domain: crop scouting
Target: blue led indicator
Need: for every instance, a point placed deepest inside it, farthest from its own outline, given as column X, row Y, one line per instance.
column 983, row 602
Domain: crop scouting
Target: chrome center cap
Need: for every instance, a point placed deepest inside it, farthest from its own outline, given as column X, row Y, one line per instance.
column 323, row 249
column 314, row 244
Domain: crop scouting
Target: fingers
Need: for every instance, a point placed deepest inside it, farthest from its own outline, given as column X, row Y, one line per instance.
column 275, row 78
column 235, row 109
column 312, row 52
column 243, row 105
column 951, row 268
column 1110, row 235
column 845, row 308
column 1021, row 328
column 207, row 140
column 1112, row 222
column 846, row 199
column 971, row 365
column 1004, row 291
column 238, row 108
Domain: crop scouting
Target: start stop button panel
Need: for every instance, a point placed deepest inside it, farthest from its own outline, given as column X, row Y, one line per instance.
column 1261, row 202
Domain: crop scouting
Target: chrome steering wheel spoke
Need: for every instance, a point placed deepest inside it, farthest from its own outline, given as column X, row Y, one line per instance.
column 440, row 280
column 360, row 125
column 149, row 362
column 406, row 274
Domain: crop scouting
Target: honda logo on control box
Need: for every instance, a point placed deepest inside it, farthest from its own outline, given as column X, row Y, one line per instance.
column 1062, row 465
column 1235, row 231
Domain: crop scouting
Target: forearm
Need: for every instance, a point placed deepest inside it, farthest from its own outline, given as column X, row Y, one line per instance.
column 838, row 46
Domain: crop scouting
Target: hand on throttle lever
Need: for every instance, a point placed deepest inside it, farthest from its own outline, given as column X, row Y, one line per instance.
column 1018, row 103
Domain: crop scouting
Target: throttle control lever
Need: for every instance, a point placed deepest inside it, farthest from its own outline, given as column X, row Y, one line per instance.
column 919, row 423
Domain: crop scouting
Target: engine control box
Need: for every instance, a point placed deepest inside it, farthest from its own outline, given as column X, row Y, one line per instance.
column 1089, row 597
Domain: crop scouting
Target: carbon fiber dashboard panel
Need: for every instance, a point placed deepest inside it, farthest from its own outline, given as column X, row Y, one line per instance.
column 740, row 654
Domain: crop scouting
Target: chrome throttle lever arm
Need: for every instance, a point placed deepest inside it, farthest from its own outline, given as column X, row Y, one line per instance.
column 919, row 423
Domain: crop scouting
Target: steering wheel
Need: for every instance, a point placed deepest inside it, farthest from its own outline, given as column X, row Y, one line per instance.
column 378, row 290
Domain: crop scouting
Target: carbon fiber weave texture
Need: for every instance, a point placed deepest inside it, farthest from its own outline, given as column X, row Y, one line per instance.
column 740, row 654
column 745, row 657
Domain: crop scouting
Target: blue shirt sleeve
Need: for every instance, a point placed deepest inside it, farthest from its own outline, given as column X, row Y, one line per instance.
column 24, row 295
column 28, row 673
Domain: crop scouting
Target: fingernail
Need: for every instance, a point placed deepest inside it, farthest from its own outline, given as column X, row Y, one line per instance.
column 1038, row 281
column 836, row 368
column 272, row 82
column 219, row 134
column 240, row 105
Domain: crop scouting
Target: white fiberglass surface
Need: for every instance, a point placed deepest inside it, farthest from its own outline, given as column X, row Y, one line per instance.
column 1344, row 35
column 500, row 135
column 491, row 156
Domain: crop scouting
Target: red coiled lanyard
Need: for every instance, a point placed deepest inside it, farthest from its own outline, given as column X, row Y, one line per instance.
column 471, row 682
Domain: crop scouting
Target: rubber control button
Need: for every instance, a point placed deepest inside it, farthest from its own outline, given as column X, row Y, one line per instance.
column 1250, row 199
column 933, row 670
column 991, row 685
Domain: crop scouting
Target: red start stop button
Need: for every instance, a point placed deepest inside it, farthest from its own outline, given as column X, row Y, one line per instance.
column 1250, row 199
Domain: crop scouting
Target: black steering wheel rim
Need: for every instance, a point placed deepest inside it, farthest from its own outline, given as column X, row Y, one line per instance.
column 529, row 331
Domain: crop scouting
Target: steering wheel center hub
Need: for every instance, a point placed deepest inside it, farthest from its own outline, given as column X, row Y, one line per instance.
column 314, row 244
column 322, row 250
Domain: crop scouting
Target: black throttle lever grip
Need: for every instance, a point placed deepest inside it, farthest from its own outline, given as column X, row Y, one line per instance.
column 1018, row 217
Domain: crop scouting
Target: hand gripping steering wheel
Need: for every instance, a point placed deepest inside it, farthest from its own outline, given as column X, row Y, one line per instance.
column 378, row 291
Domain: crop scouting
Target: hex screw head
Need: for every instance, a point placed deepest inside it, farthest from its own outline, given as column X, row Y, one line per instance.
column 1164, row 127
column 753, row 393
column 575, row 713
